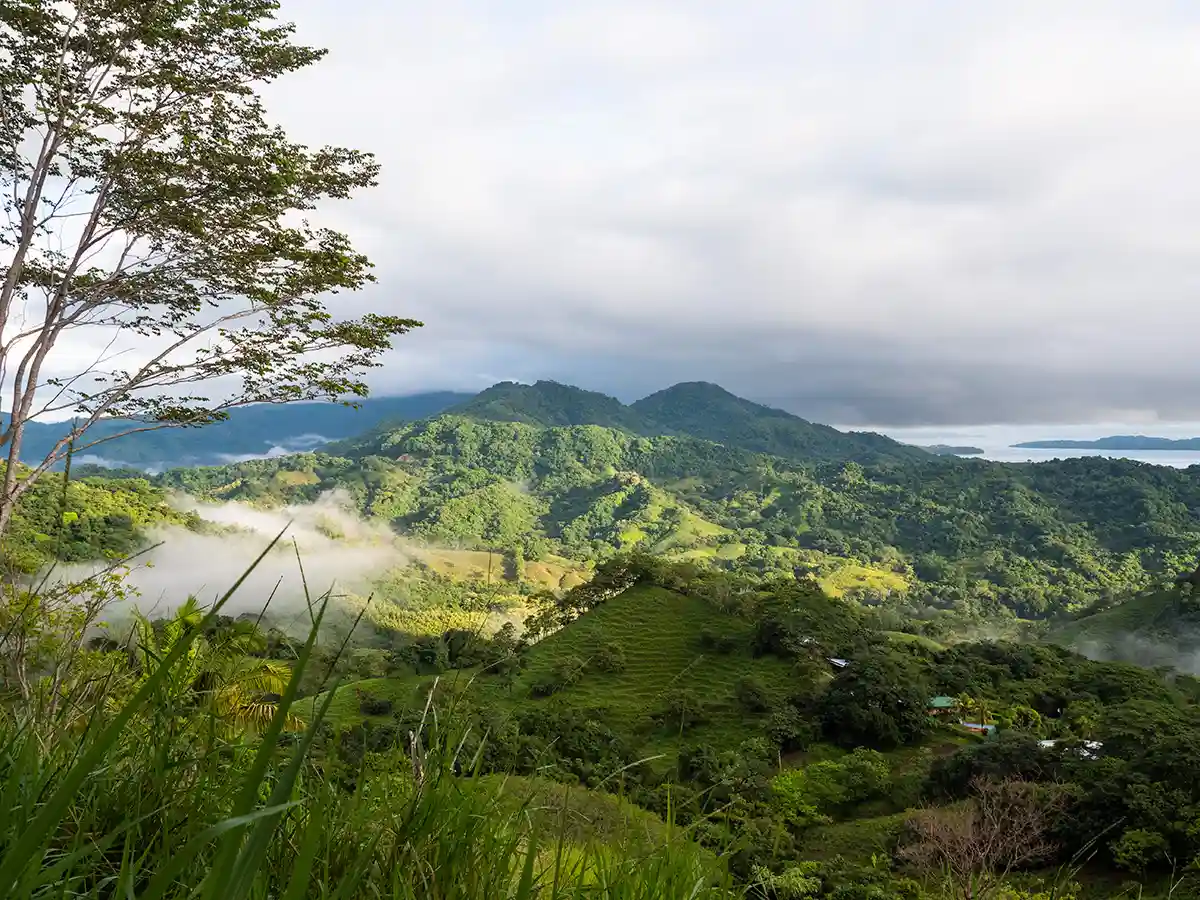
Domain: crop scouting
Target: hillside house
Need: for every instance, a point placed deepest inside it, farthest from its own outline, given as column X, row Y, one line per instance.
column 942, row 707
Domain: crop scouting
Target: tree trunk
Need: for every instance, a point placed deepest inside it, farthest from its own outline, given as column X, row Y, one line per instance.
column 8, row 500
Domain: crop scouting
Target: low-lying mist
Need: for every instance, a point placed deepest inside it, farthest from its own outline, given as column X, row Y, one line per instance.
column 1181, row 654
column 326, row 545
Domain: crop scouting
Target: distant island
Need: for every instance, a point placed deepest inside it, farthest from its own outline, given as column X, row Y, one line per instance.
column 948, row 450
column 1116, row 442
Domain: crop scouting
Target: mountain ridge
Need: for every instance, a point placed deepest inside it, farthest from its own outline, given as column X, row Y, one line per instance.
column 697, row 409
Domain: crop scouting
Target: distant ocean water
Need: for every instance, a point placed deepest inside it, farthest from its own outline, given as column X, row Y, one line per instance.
column 996, row 440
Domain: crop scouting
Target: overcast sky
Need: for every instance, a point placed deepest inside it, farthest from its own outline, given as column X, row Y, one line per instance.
column 864, row 212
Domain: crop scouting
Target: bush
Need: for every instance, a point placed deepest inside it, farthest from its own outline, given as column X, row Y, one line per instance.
column 791, row 730
column 684, row 709
column 370, row 705
column 609, row 658
column 752, row 694
column 718, row 642
column 812, row 794
column 566, row 672
column 544, row 686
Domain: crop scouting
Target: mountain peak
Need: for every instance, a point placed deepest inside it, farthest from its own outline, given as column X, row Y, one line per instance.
column 549, row 404
column 708, row 395
column 706, row 410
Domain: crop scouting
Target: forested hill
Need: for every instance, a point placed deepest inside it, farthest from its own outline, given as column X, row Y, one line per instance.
column 694, row 409
column 968, row 535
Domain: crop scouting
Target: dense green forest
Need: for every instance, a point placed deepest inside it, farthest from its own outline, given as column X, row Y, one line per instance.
column 85, row 518
column 982, row 538
column 695, row 409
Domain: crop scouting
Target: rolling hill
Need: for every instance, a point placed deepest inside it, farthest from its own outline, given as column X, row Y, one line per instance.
column 710, row 412
column 548, row 404
column 698, row 410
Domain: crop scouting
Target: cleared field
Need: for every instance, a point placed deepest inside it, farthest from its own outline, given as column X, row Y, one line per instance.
column 903, row 637
column 853, row 575
column 464, row 565
column 555, row 574
column 552, row 573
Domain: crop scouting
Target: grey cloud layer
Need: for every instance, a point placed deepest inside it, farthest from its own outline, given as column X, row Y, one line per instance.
column 863, row 211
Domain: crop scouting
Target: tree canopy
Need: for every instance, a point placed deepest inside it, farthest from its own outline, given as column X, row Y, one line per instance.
column 149, row 199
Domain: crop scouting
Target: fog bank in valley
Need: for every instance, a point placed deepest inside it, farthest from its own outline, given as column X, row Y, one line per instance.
column 337, row 549
column 1181, row 654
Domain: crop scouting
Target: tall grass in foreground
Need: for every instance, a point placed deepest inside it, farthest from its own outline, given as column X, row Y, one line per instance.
column 133, row 795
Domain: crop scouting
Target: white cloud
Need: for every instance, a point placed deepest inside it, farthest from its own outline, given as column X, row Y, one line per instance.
column 867, row 210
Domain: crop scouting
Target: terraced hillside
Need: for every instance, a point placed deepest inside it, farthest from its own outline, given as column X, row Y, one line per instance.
column 658, row 633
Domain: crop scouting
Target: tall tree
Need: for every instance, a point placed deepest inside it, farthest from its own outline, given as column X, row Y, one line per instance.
column 154, row 216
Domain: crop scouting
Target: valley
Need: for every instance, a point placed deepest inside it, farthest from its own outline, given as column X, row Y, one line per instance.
column 757, row 636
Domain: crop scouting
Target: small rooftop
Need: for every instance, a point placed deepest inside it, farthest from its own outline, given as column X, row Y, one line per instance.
column 942, row 703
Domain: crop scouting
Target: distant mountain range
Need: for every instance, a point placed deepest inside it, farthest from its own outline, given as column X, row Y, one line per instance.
column 250, row 431
column 1115, row 442
column 694, row 409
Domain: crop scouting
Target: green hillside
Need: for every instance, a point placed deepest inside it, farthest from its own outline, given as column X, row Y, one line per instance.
column 1156, row 627
column 982, row 539
column 549, row 404
column 86, row 519
column 712, row 697
column 656, row 672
